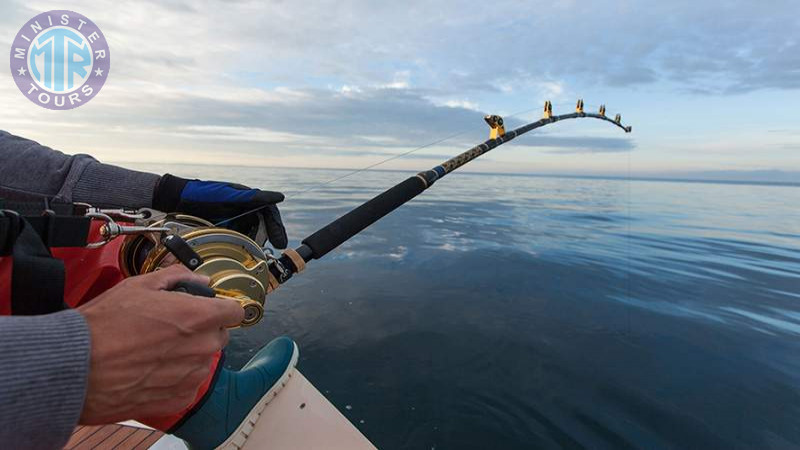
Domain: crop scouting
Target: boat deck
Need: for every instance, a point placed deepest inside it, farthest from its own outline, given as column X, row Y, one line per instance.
column 283, row 425
column 117, row 436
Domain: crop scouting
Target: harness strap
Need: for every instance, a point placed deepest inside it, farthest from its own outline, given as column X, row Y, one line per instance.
column 56, row 224
column 35, row 208
column 27, row 232
column 37, row 279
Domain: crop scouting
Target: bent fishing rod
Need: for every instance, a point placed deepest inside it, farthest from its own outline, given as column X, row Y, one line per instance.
column 339, row 231
column 240, row 269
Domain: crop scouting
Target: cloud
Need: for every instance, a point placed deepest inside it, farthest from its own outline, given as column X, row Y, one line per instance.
column 239, row 133
column 358, row 78
column 466, row 104
column 399, row 81
column 575, row 144
column 426, row 156
column 459, row 46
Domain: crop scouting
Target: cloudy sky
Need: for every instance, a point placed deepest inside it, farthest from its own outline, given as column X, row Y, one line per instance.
column 707, row 86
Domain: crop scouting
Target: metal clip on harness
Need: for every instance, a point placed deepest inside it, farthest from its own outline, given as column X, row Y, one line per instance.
column 111, row 229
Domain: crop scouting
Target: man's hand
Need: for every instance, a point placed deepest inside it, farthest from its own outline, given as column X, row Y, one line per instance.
column 217, row 201
column 152, row 349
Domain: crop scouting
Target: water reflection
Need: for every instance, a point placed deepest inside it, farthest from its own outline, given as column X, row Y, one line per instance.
column 523, row 312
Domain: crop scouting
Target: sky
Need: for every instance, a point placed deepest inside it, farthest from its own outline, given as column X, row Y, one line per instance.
column 710, row 88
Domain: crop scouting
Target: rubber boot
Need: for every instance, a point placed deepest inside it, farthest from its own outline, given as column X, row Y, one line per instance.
column 225, row 414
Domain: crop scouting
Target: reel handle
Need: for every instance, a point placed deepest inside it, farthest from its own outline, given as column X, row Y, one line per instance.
column 194, row 289
column 182, row 251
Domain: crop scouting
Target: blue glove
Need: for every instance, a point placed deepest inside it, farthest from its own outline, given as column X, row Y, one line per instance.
column 217, row 201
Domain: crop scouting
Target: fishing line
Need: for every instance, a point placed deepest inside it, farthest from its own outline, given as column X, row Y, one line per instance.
column 363, row 169
column 397, row 156
column 348, row 174
column 371, row 166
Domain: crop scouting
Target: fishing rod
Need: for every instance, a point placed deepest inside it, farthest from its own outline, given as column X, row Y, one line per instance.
column 240, row 269
column 339, row 231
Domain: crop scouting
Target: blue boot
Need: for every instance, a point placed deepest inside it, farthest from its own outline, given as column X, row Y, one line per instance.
column 228, row 413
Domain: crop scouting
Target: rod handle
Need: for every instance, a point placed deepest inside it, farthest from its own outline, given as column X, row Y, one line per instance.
column 350, row 224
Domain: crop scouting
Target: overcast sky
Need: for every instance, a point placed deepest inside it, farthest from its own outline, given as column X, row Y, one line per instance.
column 707, row 86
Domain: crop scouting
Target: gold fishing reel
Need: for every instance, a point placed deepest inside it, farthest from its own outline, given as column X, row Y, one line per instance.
column 237, row 267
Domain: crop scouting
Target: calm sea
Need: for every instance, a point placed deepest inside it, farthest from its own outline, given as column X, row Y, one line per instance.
column 498, row 312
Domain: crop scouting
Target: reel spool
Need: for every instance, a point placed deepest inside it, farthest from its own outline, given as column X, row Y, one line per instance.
column 237, row 266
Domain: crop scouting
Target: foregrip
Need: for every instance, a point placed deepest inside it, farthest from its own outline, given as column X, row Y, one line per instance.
column 350, row 224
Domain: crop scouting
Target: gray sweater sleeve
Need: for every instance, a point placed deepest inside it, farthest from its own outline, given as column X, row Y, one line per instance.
column 30, row 171
column 44, row 366
column 44, row 360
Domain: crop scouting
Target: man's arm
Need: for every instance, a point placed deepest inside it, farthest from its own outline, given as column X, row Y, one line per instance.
column 44, row 366
column 150, row 352
column 30, row 171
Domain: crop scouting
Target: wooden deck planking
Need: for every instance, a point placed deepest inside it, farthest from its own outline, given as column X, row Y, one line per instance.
column 80, row 433
column 120, row 435
column 133, row 441
column 96, row 438
column 106, row 437
column 149, row 440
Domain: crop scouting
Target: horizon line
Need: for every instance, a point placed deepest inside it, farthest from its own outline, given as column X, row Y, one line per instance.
column 600, row 176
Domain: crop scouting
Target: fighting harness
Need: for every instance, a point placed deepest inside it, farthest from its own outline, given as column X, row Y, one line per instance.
column 54, row 256
column 32, row 281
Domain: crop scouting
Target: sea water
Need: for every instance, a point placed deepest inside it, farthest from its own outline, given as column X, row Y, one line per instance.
column 505, row 312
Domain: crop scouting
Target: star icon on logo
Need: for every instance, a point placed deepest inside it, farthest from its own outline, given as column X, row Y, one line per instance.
column 98, row 73
column 22, row 71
